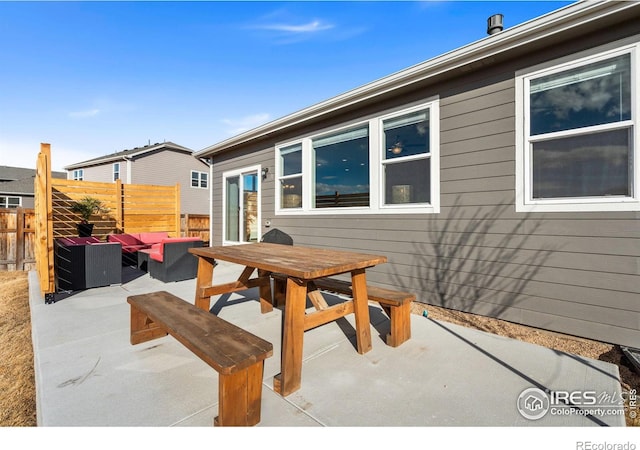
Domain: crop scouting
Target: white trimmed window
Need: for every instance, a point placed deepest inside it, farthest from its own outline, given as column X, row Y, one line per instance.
column 577, row 135
column 199, row 179
column 382, row 164
column 116, row 171
column 10, row 202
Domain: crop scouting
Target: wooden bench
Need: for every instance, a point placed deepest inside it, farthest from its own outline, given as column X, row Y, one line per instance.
column 396, row 304
column 237, row 355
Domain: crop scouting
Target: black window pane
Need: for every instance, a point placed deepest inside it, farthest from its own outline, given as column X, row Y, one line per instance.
column 342, row 170
column 291, row 161
column 408, row 182
column 593, row 165
column 406, row 135
column 590, row 95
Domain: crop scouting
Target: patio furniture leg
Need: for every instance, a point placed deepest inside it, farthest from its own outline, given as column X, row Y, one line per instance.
column 289, row 379
column 203, row 279
column 240, row 397
column 361, row 309
column 266, row 302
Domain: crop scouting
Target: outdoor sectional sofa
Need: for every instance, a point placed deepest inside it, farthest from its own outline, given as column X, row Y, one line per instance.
column 133, row 242
column 170, row 260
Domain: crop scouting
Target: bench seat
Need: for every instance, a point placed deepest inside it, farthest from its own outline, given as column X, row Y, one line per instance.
column 396, row 304
column 237, row 355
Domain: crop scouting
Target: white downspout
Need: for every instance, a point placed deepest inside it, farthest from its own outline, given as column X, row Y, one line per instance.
column 210, row 163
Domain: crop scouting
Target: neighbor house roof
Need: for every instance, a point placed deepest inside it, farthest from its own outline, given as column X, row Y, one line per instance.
column 130, row 154
column 580, row 15
column 19, row 180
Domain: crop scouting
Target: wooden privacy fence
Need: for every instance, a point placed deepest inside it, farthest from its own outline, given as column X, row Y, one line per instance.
column 17, row 239
column 18, row 236
column 132, row 208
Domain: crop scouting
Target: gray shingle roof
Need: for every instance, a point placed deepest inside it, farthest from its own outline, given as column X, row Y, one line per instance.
column 19, row 180
column 130, row 153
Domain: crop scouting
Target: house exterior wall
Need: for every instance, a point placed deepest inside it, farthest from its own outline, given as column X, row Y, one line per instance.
column 168, row 168
column 575, row 273
column 102, row 173
column 28, row 201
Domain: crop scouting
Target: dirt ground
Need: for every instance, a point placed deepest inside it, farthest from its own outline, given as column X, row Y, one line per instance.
column 17, row 381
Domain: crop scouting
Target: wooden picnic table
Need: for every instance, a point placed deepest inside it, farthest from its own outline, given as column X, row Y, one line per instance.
column 301, row 265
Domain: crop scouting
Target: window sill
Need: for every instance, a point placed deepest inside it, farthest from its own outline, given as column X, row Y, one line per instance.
column 584, row 206
column 359, row 211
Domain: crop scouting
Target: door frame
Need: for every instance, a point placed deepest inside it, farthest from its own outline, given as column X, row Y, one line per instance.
column 257, row 169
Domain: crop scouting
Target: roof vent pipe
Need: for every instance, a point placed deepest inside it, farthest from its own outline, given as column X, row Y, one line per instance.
column 494, row 24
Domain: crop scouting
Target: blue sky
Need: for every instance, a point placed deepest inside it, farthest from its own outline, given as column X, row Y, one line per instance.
column 94, row 78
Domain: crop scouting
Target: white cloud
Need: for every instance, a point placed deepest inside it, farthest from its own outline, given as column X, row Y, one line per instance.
column 237, row 126
column 84, row 114
column 311, row 27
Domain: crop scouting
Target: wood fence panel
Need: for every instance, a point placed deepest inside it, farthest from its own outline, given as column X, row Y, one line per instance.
column 195, row 225
column 17, row 239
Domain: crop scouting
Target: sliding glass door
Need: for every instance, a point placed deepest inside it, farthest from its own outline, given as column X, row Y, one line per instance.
column 242, row 206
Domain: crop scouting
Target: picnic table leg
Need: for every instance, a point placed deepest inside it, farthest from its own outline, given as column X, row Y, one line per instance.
column 203, row 280
column 361, row 310
column 289, row 379
column 266, row 300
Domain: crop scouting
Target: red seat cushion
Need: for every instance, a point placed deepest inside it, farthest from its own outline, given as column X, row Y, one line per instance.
column 153, row 237
column 156, row 256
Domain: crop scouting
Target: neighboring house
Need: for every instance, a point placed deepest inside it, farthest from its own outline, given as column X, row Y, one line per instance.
column 163, row 164
column 501, row 178
column 16, row 186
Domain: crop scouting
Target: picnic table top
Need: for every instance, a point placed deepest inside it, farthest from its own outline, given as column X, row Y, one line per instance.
column 293, row 260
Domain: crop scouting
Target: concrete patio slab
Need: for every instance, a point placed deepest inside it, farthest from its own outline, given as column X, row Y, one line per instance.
column 87, row 373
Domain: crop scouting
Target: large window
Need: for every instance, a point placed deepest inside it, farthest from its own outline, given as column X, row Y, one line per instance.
column 577, row 144
column 382, row 164
column 10, row 202
column 406, row 159
column 341, row 169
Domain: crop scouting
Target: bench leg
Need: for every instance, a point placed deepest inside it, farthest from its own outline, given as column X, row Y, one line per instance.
column 143, row 329
column 240, row 397
column 400, row 317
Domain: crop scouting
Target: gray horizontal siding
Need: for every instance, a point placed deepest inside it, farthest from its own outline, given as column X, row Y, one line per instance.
column 577, row 273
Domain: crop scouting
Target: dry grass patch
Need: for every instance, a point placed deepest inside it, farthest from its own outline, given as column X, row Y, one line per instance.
column 17, row 381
